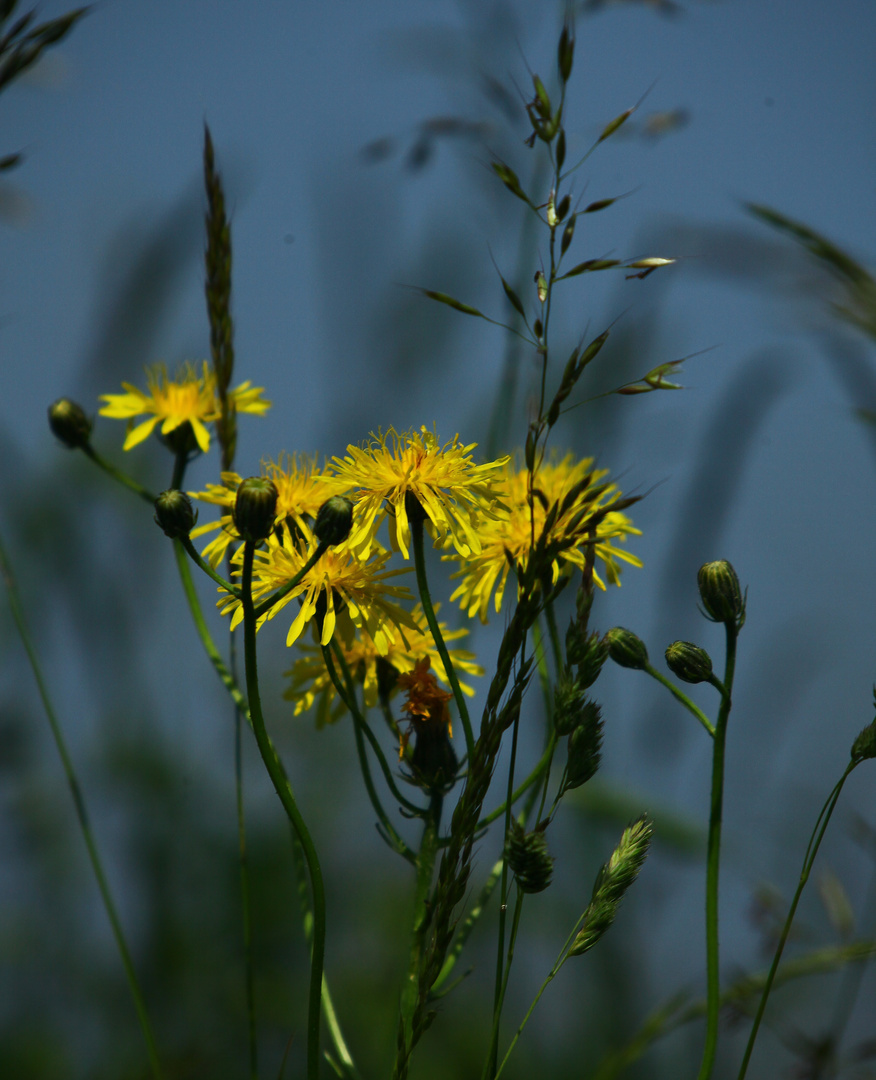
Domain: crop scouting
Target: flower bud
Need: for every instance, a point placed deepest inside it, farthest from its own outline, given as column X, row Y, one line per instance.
column 255, row 508
column 565, row 53
column 181, row 440
column 433, row 760
column 626, row 648
column 720, row 592
column 334, row 520
column 689, row 662
column 174, row 513
column 69, row 423
column 529, row 858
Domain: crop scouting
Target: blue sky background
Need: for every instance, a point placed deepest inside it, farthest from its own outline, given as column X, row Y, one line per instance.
column 759, row 460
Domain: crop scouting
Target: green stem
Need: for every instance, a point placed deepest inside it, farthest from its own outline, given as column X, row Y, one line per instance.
column 246, row 910
column 425, row 869
column 680, row 695
column 490, row 1064
column 501, row 975
column 543, row 763
column 118, row 475
column 348, row 696
column 212, row 652
column 266, row 605
column 81, row 813
column 808, row 860
column 713, row 861
column 287, row 798
column 186, row 542
column 429, row 612
column 331, row 1018
column 556, row 648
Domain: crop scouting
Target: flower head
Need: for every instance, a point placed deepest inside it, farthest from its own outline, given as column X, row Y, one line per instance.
column 340, row 591
column 426, row 706
column 455, row 493
column 301, row 491
column 190, row 398
column 310, row 682
column 580, row 498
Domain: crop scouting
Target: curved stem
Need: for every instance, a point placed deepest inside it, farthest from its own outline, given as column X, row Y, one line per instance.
column 713, row 862
column 118, row 475
column 186, row 542
column 543, row 762
column 81, row 814
column 681, row 696
column 353, row 705
column 266, row 605
column 287, row 798
column 426, row 600
column 808, row 860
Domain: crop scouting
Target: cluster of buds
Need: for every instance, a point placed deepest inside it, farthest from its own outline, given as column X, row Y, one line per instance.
column 529, row 859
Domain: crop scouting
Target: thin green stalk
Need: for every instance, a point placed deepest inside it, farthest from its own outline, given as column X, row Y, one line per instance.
column 246, row 910
column 554, row 634
column 808, row 861
column 186, row 542
column 212, row 652
column 118, row 475
column 543, row 763
column 425, row 869
column 287, row 798
column 266, row 605
column 17, row 610
column 490, row 1063
column 501, row 975
column 347, row 694
column 681, row 696
column 331, row 1018
column 429, row 612
column 713, row 862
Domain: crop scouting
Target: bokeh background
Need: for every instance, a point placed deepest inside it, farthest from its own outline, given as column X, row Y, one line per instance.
column 354, row 142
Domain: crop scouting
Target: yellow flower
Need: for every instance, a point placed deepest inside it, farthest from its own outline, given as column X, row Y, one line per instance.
column 343, row 590
column 190, row 398
column 455, row 493
column 578, row 492
column 310, row 680
column 301, row 491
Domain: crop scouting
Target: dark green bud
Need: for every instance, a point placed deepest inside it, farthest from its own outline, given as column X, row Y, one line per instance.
column 542, row 102
column 334, row 520
column 529, row 858
column 589, row 653
column 570, row 701
column 538, row 329
column 720, row 592
column 563, row 207
column 181, row 440
column 626, row 648
column 689, row 662
column 433, row 760
column 584, row 748
column 568, row 233
column 561, row 149
column 865, row 745
column 174, row 513
column 255, row 508
column 70, row 424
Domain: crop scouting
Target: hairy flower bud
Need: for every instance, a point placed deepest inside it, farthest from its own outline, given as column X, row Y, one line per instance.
column 69, row 423
column 689, row 662
column 255, row 508
column 334, row 520
column 585, row 748
column 174, row 514
column 626, row 648
column 720, row 592
column 529, row 858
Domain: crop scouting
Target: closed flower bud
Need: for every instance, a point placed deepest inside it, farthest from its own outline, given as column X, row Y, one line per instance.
column 174, row 513
column 689, row 662
column 626, row 648
column 529, row 859
column 69, row 423
column 588, row 652
column 255, row 508
column 720, row 592
column 565, row 54
column 334, row 520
